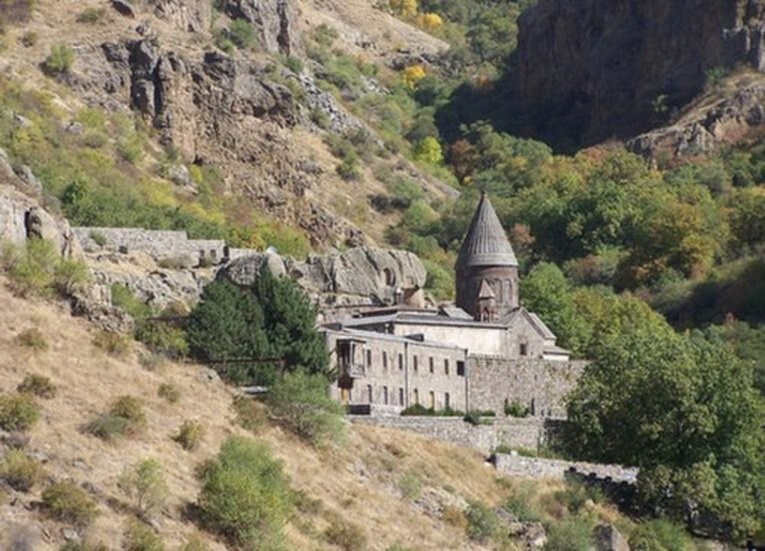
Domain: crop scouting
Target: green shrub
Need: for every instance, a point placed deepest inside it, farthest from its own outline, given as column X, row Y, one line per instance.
column 124, row 299
column 476, row 417
column 301, row 403
column 410, row 485
column 139, row 537
column 18, row 412
column 31, row 269
column 245, row 497
column 516, row 409
column 346, row 536
column 569, row 535
column 126, row 417
column 145, row 483
column 20, row 471
column 169, row 392
column 350, row 168
column 521, row 507
column 162, row 338
column 66, row 502
column 70, row 276
column 28, row 39
column 37, row 385
column 115, row 344
column 91, row 15
column 660, row 535
column 249, row 413
column 59, row 61
column 108, row 427
column 482, row 523
column 190, row 435
column 130, row 408
column 33, row 338
column 577, row 494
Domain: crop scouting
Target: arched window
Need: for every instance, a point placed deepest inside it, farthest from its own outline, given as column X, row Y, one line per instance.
column 389, row 277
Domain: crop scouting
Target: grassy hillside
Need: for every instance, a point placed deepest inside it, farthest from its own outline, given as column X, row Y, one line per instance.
column 370, row 482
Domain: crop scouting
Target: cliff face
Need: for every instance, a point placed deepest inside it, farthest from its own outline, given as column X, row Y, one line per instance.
column 591, row 70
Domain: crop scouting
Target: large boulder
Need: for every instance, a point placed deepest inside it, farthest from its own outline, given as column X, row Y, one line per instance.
column 607, row 538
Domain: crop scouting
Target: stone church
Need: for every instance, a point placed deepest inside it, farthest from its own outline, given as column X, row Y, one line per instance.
column 485, row 353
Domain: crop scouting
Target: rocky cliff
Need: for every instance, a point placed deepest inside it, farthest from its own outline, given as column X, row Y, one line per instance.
column 588, row 71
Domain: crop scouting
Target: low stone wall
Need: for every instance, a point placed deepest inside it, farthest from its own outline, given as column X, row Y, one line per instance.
column 160, row 244
column 517, row 433
column 538, row 468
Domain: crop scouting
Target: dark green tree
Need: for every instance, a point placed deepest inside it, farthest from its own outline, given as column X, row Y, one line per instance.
column 270, row 319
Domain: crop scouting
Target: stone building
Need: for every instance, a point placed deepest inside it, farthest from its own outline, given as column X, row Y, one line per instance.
column 487, row 352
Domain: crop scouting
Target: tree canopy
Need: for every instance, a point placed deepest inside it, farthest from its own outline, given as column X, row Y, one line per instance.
column 270, row 319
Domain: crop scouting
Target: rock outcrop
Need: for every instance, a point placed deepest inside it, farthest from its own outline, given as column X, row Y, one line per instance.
column 588, row 71
column 362, row 275
column 734, row 119
column 275, row 21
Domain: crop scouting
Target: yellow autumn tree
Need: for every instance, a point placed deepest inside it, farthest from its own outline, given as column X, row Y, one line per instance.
column 430, row 21
column 404, row 8
column 413, row 75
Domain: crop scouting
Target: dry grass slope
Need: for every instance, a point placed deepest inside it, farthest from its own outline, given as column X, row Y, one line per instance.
column 360, row 483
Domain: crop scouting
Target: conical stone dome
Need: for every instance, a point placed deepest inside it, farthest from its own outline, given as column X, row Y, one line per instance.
column 485, row 243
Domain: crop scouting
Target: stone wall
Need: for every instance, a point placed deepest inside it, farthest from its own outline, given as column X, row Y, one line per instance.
column 526, row 433
column 540, row 385
column 538, row 468
column 163, row 245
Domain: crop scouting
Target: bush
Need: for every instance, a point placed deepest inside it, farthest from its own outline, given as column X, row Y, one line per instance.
column 145, row 483
column 91, row 15
column 410, row 485
column 346, row 536
column 169, row 392
column 59, row 61
column 249, row 413
column 18, row 412
column 38, row 385
column 162, row 338
column 569, row 535
column 350, row 168
column 108, row 427
column 126, row 417
column 521, row 507
column 114, row 344
column 70, row 276
column 195, row 543
column 66, row 502
column 31, row 269
column 659, row 535
column 300, row 402
column 33, row 338
column 482, row 523
column 20, row 471
column 516, row 409
column 476, row 418
column 139, row 537
column 245, row 497
column 190, row 435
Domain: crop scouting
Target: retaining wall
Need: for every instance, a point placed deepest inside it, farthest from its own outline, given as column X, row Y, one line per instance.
column 538, row 468
column 516, row 433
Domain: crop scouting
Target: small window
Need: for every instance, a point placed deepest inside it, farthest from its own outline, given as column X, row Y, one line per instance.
column 370, row 394
column 446, row 366
column 385, row 360
column 415, row 363
column 385, row 395
column 401, row 396
column 524, row 349
column 431, row 366
column 369, row 359
column 432, row 400
column 447, row 402
column 401, row 362
column 416, row 396
column 460, row 368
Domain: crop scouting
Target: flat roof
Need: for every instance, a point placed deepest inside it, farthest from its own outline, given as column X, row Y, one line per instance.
column 374, row 335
